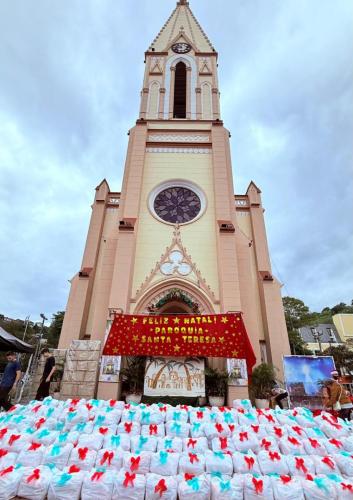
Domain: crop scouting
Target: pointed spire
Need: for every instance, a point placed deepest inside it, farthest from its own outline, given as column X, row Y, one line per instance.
column 182, row 23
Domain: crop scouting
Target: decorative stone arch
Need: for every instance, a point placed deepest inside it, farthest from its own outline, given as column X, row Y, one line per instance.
column 191, row 66
column 152, row 299
column 153, row 99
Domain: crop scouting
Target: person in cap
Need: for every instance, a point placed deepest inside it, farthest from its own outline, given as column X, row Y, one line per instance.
column 10, row 378
column 338, row 399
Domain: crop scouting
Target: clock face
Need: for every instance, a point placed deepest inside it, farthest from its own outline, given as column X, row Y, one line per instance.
column 181, row 48
column 177, row 205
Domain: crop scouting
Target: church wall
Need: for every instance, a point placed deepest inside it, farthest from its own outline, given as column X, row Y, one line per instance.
column 153, row 236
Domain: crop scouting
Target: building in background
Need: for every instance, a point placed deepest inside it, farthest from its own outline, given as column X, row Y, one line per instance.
column 176, row 239
column 344, row 325
column 320, row 337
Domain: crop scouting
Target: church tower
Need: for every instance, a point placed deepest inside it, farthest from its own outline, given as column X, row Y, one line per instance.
column 177, row 239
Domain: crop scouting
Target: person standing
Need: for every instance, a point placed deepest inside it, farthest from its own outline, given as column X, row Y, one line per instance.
column 338, row 399
column 278, row 394
column 49, row 369
column 10, row 378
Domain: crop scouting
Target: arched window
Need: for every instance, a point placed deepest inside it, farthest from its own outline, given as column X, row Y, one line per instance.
column 179, row 110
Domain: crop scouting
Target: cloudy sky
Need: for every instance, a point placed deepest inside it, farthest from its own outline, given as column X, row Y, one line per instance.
column 70, row 77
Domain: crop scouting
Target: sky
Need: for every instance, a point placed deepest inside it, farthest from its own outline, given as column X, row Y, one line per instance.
column 70, row 79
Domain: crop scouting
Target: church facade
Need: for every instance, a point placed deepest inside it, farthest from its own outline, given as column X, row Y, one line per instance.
column 176, row 239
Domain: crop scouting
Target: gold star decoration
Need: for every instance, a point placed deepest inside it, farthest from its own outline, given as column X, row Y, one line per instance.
column 134, row 321
column 176, row 321
column 224, row 319
column 221, row 340
column 176, row 348
column 235, row 353
column 115, row 350
column 135, row 338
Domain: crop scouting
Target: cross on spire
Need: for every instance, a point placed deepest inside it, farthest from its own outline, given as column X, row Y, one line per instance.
column 183, row 2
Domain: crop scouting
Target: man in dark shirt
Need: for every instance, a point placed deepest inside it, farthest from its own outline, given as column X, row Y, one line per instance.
column 11, row 376
column 49, row 369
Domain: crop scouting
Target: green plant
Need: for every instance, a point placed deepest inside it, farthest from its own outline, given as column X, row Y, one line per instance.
column 134, row 373
column 216, row 382
column 262, row 381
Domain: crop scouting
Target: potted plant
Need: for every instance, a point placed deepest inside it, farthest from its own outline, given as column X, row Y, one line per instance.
column 262, row 381
column 133, row 375
column 216, row 386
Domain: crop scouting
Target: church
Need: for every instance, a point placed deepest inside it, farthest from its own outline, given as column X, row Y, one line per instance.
column 176, row 239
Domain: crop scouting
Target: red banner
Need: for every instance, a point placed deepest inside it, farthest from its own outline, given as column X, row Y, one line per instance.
column 214, row 335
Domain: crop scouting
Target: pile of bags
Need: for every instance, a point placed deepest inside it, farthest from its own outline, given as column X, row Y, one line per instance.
column 93, row 449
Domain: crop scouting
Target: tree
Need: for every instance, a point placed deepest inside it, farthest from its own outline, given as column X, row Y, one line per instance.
column 54, row 330
column 295, row 311
column 297, row 344
column 342, row 356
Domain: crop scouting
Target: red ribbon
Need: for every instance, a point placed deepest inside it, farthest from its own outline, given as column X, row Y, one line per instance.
column 40, row 422
column 89, row 406
column 270, row 418
column 231, row 427
column 103, row 430
column 73, row 469
column 243, row 436
column 293, row 441
column 309, row 477
column 348, row 487
column 3, row 452
column 184, row 407
column 314, row 443
column 193, row 458
column 3, row 432
column 265, row 444
column 188, row 477
column 7, row 470
column 299, row 464
column 135, row 462
column 328, row 462
column 192, row 442
column 336, row 443
column 297, row 429
column 34, row 446
column 129, row 479
column 97, row 475
column 258, row 484
column 34, row 477
column 250, row 461
column 278, row 431
column 224, row 443
column 36, row 408
column 153, row 429
column 75, row 401
column 285, row 479
column 161, row 487
column 112, row 402
column 107, row 457
column 82, row 453
column 219, row 427
column 163, row 408
column 128, row 427
column 336, row 426
column 199, row 415
column 255, row 428
column 241, row 410
column 274, row 455
column 14, row 438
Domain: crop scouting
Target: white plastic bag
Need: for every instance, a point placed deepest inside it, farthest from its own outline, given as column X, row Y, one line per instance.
column 276, row 431
column 32, row 455
column 45, row 437
column 333, row 445
column 92, row 441
column 290, row 445
column 177, row 415
column 7, row 458
column 216, row 461
column 131, row 415
column 170, row 444
column 216, row 430
column 192, row 463
column 130, row 428
column 344, row 489
column 149, row 417
column 83, row 458
column 194, row 488
column 201, row 415
column 117, row 442
column 109, row 459
column 301, row 465
column 66, row 484
column 318, row 488
column 153, row 430
column 268, row 443
column 287, row 488
column 272, row 462
column 129, row 486
column 137, row 463
column 245, row 463
column 143, row 443
column 248, row 418
column 222, row 444
column 58, row 455
column 244, row 441
column 344, row 461
column 164, row 463
column 98, row 484
column 227, row 489
column 10, row 478
column 177, row 429
column 15, row 442
column 195, row 445
column 315, row 447
column 325, row 465
column 35, row 483
column 257, row 487
column 158, row 487
column 197, row 429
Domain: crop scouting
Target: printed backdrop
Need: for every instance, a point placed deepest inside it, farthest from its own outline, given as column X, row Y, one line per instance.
column 214, row 335
column 175, row 377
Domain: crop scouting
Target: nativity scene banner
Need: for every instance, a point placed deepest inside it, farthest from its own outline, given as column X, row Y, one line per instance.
column 212, row 335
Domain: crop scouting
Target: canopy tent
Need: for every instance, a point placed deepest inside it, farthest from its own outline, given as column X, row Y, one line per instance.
column 9, row 342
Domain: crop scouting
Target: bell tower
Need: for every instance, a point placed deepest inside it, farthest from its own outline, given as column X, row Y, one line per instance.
column 177, row 238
